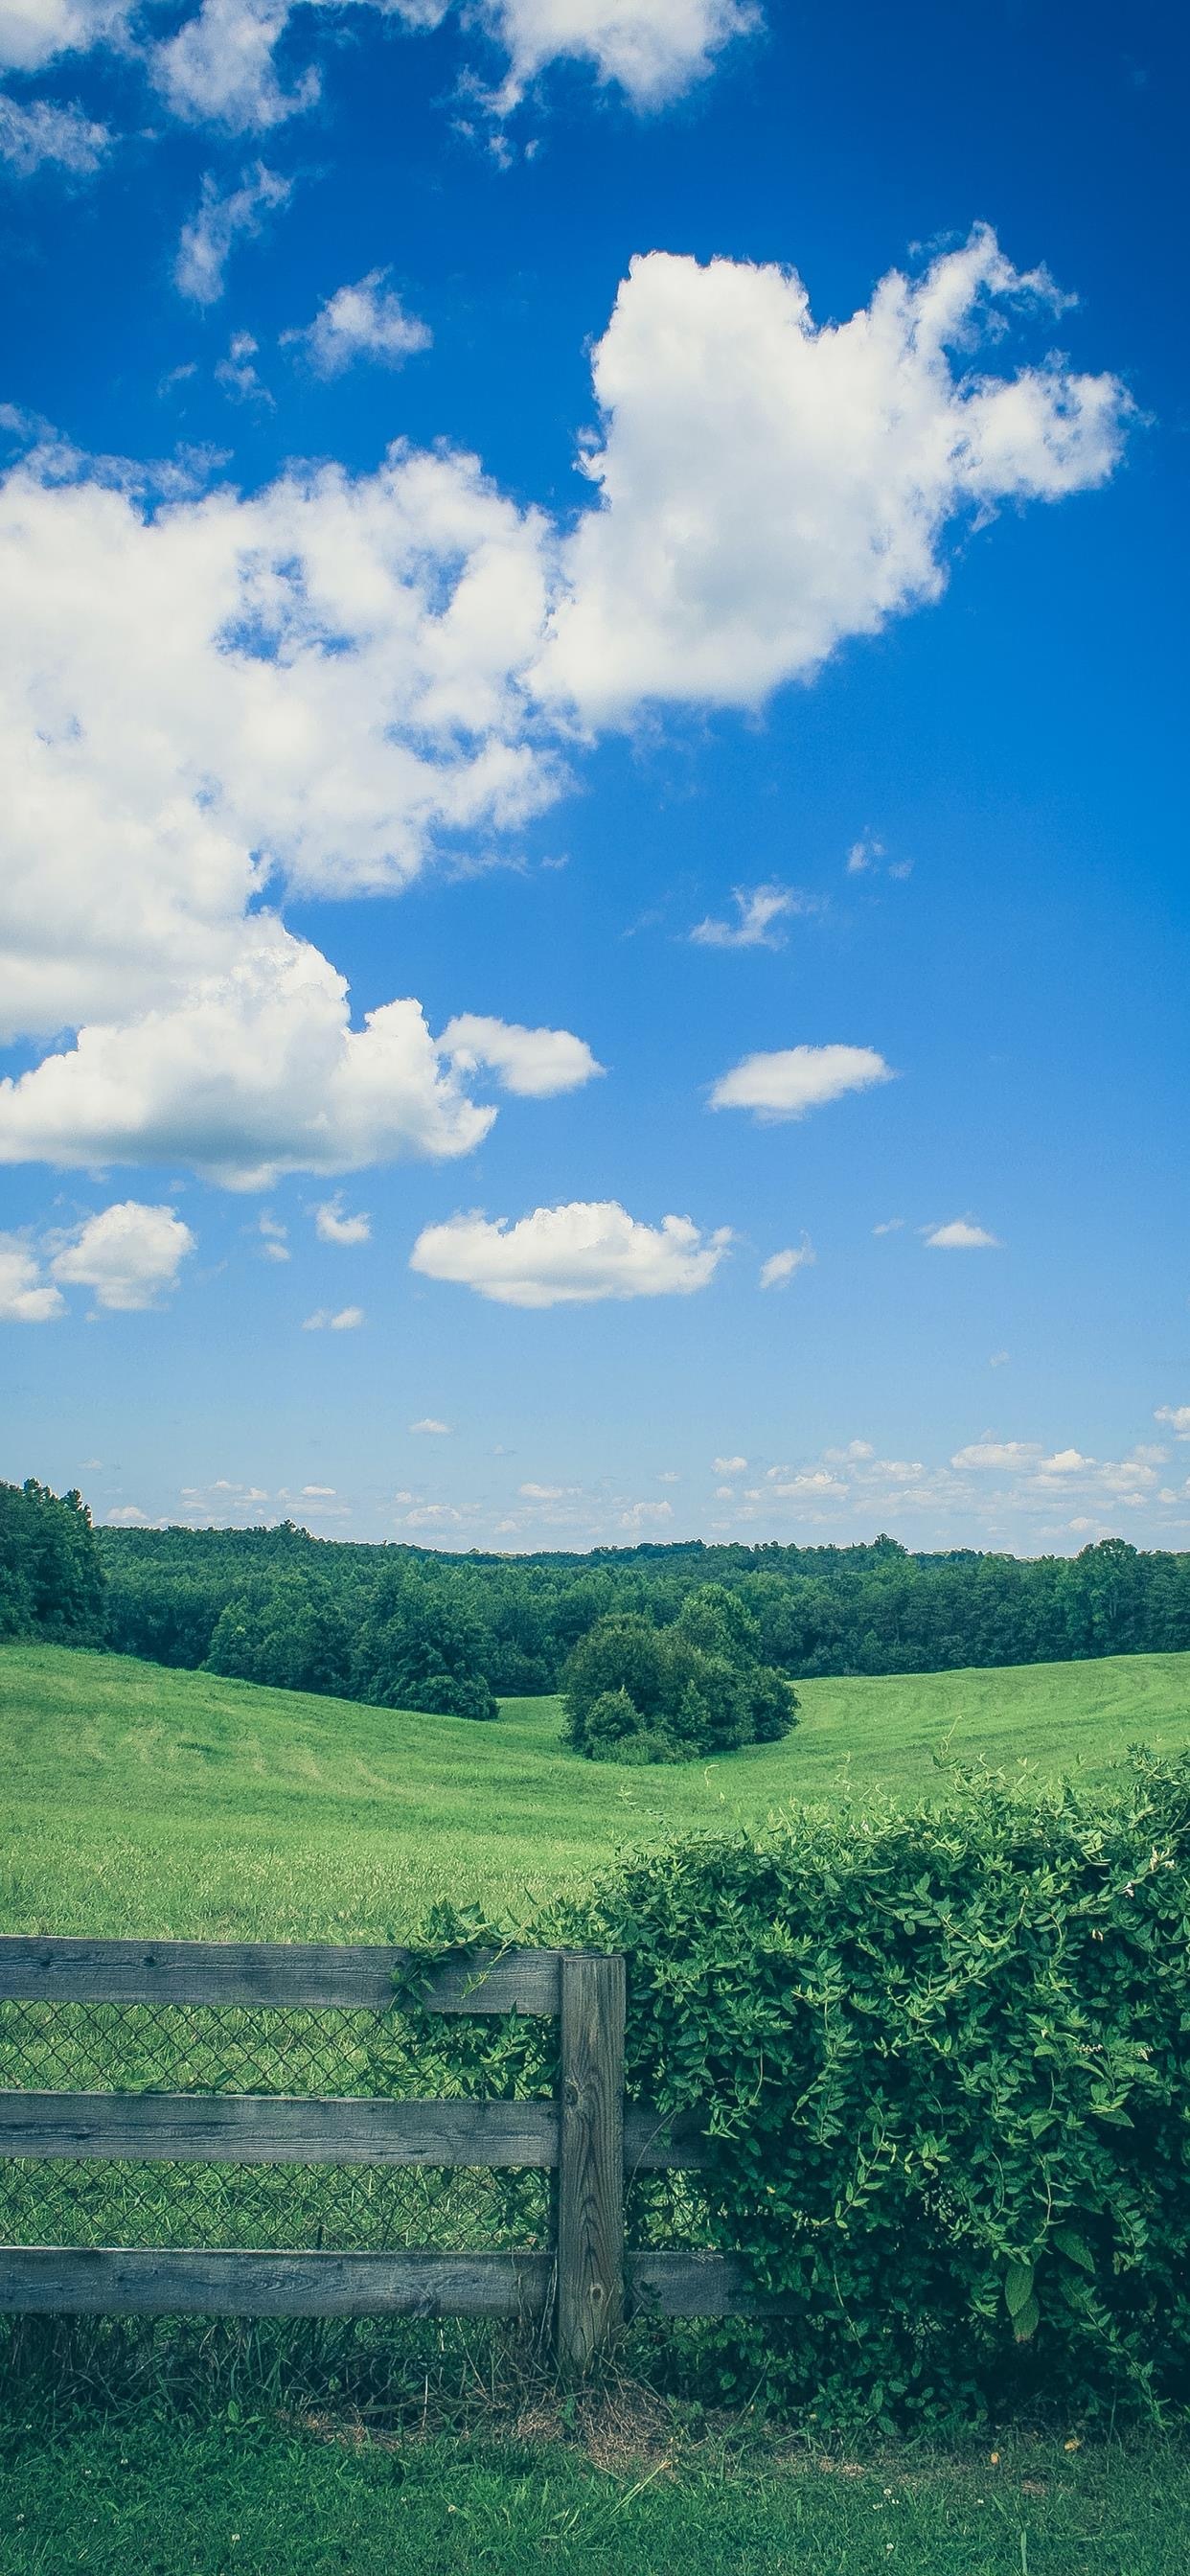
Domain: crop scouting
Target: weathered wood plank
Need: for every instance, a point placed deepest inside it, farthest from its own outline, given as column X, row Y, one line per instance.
column 111, row 2281
column 682, row 2284
column 107, row 2281
column 591, row 2158
column 255, row 2129
column 287, row 1976
column 264, row 2129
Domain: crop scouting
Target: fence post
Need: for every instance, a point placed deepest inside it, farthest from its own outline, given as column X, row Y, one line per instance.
column 590, row 2158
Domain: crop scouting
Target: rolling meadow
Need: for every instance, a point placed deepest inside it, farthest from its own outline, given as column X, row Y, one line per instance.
column 174, row 1803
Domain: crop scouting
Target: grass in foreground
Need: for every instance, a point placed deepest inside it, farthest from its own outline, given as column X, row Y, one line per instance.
column 149, row 2496
column 141, row 1800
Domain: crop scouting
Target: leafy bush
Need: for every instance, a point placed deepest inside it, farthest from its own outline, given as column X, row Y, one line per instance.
column 946, row 2061
column 636, row 1693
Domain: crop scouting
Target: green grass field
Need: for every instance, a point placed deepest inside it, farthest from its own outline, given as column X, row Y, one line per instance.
column 140, row 2499
column 141, row 1800
column 138, row 1800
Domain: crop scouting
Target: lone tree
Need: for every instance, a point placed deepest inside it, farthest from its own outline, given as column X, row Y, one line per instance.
column 635, row 1693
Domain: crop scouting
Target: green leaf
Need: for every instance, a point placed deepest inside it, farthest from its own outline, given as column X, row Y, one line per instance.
column 1074, row 2247
column 1018, row 2287
column 1026, row 2321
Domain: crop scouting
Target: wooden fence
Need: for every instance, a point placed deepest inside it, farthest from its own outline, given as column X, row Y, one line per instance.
column 588, row 2137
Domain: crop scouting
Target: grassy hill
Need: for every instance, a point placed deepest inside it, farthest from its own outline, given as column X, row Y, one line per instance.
column 174, row 1803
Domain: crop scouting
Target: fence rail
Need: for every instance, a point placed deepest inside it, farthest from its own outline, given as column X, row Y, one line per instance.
column 588, row 2137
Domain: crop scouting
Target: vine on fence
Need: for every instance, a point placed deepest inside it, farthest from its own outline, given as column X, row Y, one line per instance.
column 944, row 2058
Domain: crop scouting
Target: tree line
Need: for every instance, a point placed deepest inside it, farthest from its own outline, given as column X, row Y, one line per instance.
column 405, row 1627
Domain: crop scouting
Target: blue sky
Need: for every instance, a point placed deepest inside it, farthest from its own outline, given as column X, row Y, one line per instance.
column 634, row 541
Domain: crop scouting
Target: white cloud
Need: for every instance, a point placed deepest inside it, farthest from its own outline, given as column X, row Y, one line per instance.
column 275, row 1244
column 638, row 1516
column 331, row 1225
column 856, row 1453
column 256, row 1072
column 1178, row 1418
column 779, row 1269
column 208, row 239
column 318, row 1493
column 533, row 1063
column 814, row 1485
column 758, row 908
column 891, row 1225
column 987, row 1452
column 323, row 1321
column 862, row 853
column 961, row 1234
column 25, row 1296
column 219, row 67
column 651, row 49
column 548, row 1493
column 768, row 488
column 440, row 1430
column 220, row 64
column 128, row 1253
column 1065, row 1462
column 39, row 133
column 33, row 31
column 792, row 1080
column 237, row 373
column 730, row 1466
column 321, row 682
column 127, row 1516
column 570, row 1255
column 999, row 1359
column 363, row 321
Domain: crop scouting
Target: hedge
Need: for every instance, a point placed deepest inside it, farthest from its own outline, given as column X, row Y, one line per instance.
column 947, row 2058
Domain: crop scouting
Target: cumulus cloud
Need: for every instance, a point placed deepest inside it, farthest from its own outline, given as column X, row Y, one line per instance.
column 534, row 1063
column 758, row 908
column 129, row 1254
column 255, row 1073
column 323, row 1321
column 988, row 1452
column 208, row 239
column 891, row 1225
column 780, row 1267
column 32, row 136
column 769, row 487
column 792, row 1080
column 439, row 1430
column 333, row 1225
column 1178, row 1418
column 730, row 1466
column 571, row 1255
column 961, row 1234
column 651, row 49
column 366, row 320
column 219, row 67
column 321, row 683
column 26, row 1297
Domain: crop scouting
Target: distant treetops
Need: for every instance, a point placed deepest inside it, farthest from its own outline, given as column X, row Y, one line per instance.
column 636, row 1693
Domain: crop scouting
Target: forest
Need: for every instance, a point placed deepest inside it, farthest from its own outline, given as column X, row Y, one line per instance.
column 405, row 1627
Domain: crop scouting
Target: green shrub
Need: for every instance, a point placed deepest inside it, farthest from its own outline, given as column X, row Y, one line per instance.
column 946, row 2061
column 639, row 1693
